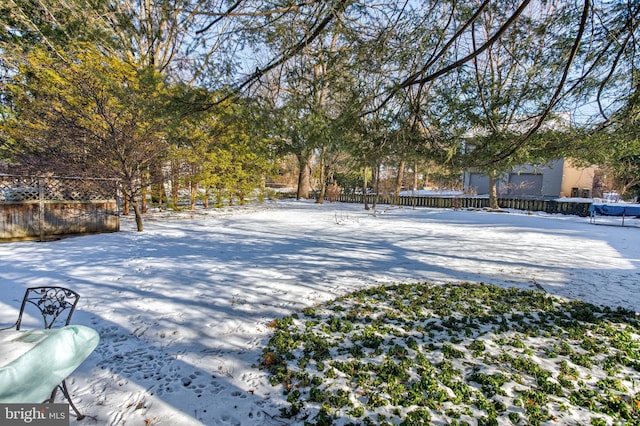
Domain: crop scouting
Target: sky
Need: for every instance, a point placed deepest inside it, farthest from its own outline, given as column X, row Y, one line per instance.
column 183, row 308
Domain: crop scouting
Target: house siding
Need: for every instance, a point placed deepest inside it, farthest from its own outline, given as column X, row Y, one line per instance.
column 577, row 179
column 556, row 179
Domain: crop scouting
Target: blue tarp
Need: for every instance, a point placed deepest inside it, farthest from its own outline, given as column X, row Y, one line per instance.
column 617, row 209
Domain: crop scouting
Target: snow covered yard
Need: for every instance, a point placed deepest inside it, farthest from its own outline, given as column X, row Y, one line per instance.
column 184, row 309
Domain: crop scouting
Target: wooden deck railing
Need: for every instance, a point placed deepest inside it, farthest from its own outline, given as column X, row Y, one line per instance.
column 33, row 207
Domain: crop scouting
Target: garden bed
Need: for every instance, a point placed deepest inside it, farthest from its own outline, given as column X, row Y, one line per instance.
column 456, row 354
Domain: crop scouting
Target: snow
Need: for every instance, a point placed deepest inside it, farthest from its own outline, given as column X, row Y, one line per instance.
column 183, row 308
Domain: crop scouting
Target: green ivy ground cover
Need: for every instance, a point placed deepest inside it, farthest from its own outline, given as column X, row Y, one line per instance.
column 456, row 354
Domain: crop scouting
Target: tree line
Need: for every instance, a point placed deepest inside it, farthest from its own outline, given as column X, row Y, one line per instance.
column 211, row 95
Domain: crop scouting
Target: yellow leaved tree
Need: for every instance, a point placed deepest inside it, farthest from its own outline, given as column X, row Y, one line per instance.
column 84, row 112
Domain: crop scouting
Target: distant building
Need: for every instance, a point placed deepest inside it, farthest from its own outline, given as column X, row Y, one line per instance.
column 556, row 179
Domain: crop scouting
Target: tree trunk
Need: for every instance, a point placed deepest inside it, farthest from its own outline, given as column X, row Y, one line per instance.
column 143, row 201
column 137, row 211
column 175, row 179
column 144, row 191
column 323, row 178
column 207, row 194
column 376, row 185
column 194, row 194
column 364, row 190
column 399, row 180
column 304, row 175
column 493, row 190
column 158, row 194
column 174, row 194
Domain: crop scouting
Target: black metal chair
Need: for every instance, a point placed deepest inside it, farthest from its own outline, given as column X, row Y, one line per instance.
column 56, row 306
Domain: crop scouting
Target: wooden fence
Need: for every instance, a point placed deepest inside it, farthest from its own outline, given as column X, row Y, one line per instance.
column 50, row 207
column 548, row 206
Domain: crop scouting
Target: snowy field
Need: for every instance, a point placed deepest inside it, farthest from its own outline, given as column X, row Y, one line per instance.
column 183, row 308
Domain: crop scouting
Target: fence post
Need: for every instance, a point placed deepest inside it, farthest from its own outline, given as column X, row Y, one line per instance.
column 41, row 207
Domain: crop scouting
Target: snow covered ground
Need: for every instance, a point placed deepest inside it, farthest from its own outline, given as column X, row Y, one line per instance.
column 183, row 308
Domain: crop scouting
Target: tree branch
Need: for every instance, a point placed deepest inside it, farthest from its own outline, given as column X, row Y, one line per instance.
column 286, row 56
column 473, row 54
column 556, row 95
column 219, row 18
column 413, row 79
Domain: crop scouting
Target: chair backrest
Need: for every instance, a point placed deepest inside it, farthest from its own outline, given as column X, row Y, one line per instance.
column 56, row 304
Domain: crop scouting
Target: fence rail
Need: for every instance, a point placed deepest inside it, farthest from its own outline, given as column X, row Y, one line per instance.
column 44, row 207
column 577, row 208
